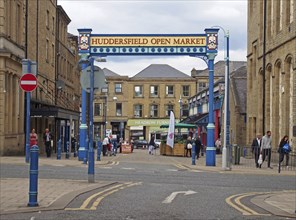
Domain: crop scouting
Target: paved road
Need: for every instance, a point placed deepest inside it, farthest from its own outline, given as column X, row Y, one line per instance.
column 153, row 187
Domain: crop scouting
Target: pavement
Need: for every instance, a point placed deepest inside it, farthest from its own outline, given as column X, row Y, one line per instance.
column 14, row 191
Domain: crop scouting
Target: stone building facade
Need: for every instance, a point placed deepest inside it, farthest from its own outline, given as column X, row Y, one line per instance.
column 12, row 51
column 275, row 107
column 37, row 31
column 138, row 105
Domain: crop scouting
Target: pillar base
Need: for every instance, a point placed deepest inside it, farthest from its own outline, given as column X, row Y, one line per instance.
column 81, row 153
column 211, row 156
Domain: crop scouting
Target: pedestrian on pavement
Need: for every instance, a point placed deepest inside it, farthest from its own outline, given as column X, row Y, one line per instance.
column 110, row 146
column 256, row 144
column 151, row 145
column 266, row 148
column 198, row 146
column 105, row 144
column 33, row 138
column 188, row 146
column 284, row 150
column 47, row 137
column 218, row 146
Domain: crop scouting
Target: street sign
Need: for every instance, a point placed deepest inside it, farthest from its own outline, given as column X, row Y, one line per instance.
column 28, row 82
column 99, row 79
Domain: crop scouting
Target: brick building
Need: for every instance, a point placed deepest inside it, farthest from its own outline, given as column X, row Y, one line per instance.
column 271, row 87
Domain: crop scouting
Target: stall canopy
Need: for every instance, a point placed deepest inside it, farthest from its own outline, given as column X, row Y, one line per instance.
column 179, row 125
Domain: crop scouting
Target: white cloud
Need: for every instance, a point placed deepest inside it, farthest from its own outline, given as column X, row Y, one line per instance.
column 161, row 17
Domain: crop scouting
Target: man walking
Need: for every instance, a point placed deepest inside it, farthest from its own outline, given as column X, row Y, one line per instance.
column 266, row 148
column 198, row 146
column 256, row 144
column 47, row 137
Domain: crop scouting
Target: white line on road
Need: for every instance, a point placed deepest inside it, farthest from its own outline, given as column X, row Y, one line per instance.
column 128, row 168
column 171, row 197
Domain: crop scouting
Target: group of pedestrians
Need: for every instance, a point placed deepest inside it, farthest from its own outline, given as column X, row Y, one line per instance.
column 109, row 146
column 47, row 139
column 262, row 146
column 193, row 142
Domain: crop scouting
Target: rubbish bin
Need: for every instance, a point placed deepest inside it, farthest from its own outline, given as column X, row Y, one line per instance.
column 236, row 151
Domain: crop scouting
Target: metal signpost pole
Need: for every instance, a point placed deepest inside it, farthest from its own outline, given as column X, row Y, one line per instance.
column 27, row 69
column 91, row 163
column 83, row 126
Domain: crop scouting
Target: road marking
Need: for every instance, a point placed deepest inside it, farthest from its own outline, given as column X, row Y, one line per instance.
column 98, row 200
column 173, row 195
column 172, row 170
column 128, row 168
column 180, row 166
column 105, row 193
column 241, row 207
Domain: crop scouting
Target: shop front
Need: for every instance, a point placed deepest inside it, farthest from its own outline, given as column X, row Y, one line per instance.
column 142, row 129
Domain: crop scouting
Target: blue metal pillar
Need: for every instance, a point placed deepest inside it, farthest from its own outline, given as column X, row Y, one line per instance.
column 27, row 63
column 193, row 153
column 59, row 150
column 83, row 126
column 33, row 182
column 211, row 151
column 67, row 150
column 91, row 163
column 99, row 150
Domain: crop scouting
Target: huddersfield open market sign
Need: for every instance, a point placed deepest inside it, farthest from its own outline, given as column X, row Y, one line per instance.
column 147, row 44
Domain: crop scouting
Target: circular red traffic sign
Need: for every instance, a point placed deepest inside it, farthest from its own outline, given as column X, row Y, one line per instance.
column 28, row 82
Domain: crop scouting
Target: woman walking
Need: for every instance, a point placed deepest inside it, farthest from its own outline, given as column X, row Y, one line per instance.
column 284, row 150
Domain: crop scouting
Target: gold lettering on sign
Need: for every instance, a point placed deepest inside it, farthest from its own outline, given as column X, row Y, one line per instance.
column 147, row 41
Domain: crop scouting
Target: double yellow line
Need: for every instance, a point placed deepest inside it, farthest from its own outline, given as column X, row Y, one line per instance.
column 181, row 166
column 98, row 197
column 235, row 202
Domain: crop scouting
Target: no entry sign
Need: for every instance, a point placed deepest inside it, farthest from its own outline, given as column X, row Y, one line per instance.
column 28, row 82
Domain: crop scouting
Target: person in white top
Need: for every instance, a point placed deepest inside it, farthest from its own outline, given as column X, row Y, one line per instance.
column 266, row 148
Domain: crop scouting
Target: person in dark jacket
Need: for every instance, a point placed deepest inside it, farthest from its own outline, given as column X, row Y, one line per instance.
column 151, row 144
column 256, row 144
column 283, row 152
column 198, row 146
column 188, row 146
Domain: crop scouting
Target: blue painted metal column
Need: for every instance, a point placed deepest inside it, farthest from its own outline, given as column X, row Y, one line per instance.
column 33, row 181
column 91, row 159
column 212, row 45
column 84, row 39
column 83, row 126
column 26, row 66
column 211, row 150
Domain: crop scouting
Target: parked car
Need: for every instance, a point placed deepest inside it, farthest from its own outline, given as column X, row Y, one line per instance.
column 140, row 144
column 157, row 143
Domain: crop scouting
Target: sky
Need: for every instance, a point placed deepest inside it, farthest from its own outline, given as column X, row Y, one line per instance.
column 161, row 17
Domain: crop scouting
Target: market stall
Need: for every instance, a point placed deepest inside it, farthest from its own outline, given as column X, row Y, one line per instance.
column 179, row 141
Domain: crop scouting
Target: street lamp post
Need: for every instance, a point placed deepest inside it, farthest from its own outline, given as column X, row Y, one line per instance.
column 181, row 103
column 226, row 141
